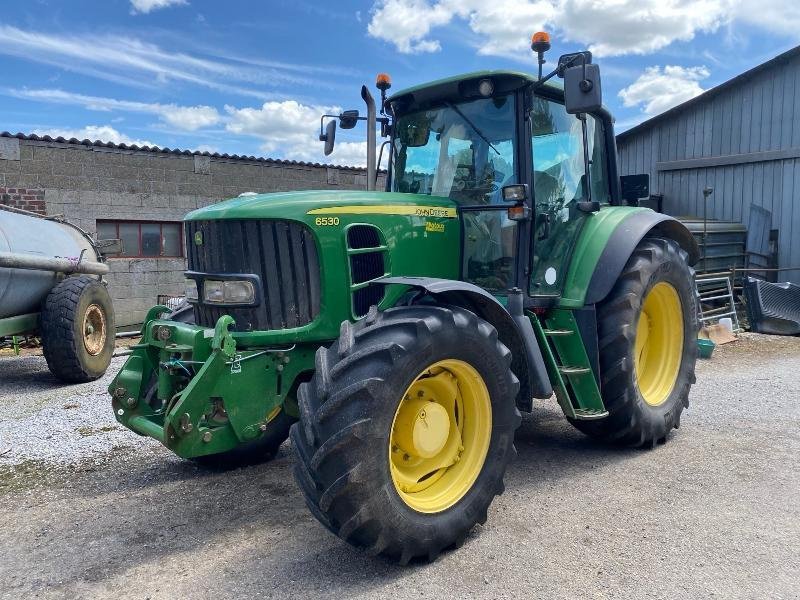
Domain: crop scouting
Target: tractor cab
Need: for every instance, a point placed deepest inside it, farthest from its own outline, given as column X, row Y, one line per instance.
column 525, row 160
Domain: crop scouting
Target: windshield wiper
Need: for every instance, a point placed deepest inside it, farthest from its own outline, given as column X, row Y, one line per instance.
column 474, row 127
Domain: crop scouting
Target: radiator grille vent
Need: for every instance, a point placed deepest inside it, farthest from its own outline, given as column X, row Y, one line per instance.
column 365, row 266
column 282, row 253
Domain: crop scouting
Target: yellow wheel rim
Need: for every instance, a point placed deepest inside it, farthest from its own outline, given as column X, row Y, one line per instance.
column 659, row 343
column 440, row 436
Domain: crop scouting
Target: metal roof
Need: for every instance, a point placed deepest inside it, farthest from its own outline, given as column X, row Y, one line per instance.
column 781, row 58
column 156, row 149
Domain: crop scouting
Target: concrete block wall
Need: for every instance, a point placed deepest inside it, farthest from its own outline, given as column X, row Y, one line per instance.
column 87, row 182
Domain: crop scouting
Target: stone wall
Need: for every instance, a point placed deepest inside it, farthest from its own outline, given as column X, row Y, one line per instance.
column 86, row 182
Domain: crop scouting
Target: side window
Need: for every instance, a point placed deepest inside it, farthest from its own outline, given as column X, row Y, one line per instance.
column 558, row 176
column 559, row 181
column 557, row 155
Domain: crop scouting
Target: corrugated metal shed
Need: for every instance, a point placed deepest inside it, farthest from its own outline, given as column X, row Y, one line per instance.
column 741, row 138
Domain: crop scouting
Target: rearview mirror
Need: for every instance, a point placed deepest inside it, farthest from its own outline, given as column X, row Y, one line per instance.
column 348, row 119
column 329, row 137
column 582, row 93
column 415, row 134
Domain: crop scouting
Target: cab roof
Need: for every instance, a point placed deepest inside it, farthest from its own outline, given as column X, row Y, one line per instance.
column 453, row 87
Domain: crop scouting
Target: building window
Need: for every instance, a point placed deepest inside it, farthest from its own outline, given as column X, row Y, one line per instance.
column 144, row 239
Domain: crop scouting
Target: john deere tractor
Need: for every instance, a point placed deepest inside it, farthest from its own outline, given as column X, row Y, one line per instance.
column 396, row 335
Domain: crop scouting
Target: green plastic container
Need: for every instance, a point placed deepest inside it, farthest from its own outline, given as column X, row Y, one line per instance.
column 706, row 347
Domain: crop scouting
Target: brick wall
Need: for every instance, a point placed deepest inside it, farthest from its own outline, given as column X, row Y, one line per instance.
column 27, row 199
column 86, row 183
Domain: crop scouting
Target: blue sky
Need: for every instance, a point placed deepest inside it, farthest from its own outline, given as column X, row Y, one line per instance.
column 253, row 77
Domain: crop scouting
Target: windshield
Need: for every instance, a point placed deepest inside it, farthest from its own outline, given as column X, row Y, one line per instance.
column 463, row 151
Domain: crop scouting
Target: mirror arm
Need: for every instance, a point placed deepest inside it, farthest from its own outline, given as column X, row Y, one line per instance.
column 541, row 81
column 322, row 125
column 559, row 70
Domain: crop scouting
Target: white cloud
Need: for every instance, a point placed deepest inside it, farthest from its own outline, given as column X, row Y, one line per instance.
column 779, row 16
column 145, row 6
column 130, row 61
column 103, row 133
column 186, row 118
column 659, row 89
column 615, row 27
column 290, row 130
column 406, row 23
column 607, row 27
column 505, row 26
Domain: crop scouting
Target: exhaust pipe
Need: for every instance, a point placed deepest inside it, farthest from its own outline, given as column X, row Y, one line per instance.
column 371, row 141
column 11, row 260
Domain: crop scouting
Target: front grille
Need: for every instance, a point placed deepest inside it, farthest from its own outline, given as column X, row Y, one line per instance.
column 282, row 253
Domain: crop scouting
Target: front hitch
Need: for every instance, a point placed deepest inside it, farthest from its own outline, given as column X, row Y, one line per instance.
column 198, row 392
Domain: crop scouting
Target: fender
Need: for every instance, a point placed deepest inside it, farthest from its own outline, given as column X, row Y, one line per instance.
column 527, row 361
column 590, row 281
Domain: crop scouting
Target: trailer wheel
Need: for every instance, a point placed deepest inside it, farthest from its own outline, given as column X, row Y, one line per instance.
column 406, row 430
column 77, row 326
column 647, row 329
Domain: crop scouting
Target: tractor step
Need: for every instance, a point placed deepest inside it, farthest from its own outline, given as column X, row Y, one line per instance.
column 574, row 370
column 557, row 332
column 587, row 414
column 568, row 365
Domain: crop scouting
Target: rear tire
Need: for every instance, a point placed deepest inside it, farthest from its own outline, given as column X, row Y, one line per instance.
column 645, row 404
column 351, row 412
column 77, row 325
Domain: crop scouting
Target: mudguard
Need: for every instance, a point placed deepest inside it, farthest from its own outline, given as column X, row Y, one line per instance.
column 527, row 362
column 607, row 243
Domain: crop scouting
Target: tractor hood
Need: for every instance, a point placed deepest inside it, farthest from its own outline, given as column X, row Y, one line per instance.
column 307, row 205
column 313, row 255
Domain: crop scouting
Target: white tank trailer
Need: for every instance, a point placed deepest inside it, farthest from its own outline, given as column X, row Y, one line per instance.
column 51, row 285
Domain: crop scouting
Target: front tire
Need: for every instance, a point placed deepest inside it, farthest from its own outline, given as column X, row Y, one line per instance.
column 647, row 330
column 406, row 430
column 77, row 324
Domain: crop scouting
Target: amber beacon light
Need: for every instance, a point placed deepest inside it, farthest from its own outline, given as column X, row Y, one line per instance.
column 383, row 81
column 540, row 43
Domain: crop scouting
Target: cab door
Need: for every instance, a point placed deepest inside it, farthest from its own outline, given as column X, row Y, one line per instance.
column 559, row 185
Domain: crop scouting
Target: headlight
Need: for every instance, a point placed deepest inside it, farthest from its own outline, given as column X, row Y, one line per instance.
column 190, row 289
column 229, row 292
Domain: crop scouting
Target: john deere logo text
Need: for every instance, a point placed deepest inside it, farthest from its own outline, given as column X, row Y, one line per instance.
column 198, row 238
column 434, row 227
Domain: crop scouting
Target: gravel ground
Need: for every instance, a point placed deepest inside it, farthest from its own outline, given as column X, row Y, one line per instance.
column 90, row 510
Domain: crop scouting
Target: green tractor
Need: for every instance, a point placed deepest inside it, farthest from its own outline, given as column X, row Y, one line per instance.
column 396, row 335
